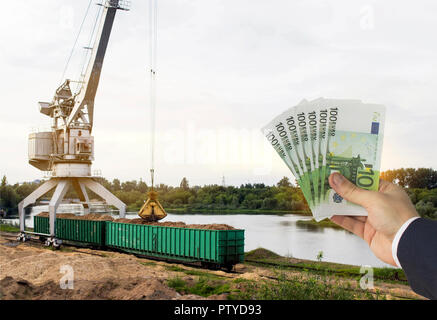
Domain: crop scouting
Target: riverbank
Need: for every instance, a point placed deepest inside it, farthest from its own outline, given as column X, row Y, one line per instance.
column 326, row 223
column 31, row 271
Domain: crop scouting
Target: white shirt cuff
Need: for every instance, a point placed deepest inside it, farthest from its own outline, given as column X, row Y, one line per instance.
column 398, row 236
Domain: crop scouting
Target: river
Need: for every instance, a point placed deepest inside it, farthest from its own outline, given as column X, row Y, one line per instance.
column 280, row 234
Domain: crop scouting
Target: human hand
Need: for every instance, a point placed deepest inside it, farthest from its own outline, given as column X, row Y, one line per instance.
column 388, row 209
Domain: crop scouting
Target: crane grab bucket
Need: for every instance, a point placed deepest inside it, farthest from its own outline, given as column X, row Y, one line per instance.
column 152, row 210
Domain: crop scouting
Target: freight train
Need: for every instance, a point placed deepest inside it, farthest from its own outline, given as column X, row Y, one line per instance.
column 213, row 249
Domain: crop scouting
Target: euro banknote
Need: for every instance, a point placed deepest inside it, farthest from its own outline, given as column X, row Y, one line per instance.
column 282, row 134
column 319, row 137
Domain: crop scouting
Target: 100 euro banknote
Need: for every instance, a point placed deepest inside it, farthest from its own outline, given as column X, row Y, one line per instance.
column 354, row 138
column 282, row 134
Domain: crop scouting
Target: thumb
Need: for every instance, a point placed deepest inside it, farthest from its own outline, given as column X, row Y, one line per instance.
column 348, row 190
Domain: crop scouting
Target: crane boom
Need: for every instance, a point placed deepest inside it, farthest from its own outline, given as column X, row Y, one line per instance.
column 92, row 76
column 70, row 144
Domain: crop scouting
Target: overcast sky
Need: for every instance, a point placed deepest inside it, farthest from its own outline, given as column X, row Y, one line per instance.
column 225, row 68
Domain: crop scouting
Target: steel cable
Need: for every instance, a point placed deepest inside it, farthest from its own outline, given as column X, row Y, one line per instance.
column 75, row 42
column 153, row 37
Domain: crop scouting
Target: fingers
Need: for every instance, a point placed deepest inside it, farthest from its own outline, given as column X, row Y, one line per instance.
column 360, row 218
column 383, row 185
column 351, row 224
column 348, row 190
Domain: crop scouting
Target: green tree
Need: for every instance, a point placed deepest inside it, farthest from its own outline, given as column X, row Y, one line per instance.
column 25, row 189
column 184, row 184
column 422, row 178
column 104, row 182
column 4, row 182
column 142, row 186
column 129, row 185
column 235, row 203
column 284, row 182
column 426, row 209
column 270, row 203
column 116, row 185
column 8, row 197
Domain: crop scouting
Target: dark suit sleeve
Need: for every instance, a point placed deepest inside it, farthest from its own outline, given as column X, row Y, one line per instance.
column 417, row 254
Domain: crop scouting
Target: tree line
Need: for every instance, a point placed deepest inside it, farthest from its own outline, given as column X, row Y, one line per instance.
column 421, row 178
column 283, row 196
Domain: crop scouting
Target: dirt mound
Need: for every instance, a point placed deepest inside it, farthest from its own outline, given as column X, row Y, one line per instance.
column 97, row 217
column 211, row 226
column 117, row 289
column 11, row 289
column 90, row 216
column 177, row 224
column 261, row 253
column 59, row 215
column 105, row 217
column 31, row 272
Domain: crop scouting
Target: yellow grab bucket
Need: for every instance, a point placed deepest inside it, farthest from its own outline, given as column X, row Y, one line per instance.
column 152, row 210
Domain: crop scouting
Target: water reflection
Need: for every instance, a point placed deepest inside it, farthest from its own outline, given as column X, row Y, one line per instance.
column 310, row 227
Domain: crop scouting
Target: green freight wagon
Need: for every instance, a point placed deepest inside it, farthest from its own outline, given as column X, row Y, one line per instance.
column 213, row 248
column 83, row 231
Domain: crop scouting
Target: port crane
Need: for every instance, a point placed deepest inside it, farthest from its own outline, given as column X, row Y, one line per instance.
column 67, row 151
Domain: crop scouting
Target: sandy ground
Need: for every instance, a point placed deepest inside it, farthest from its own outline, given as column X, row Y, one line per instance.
column 30, row 271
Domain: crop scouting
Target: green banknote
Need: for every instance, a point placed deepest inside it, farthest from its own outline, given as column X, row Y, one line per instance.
column 322, row 144
column 319, row 137
column 288, row 119
column 318, row 112
column 279, row 136
column 353, row 148
column 305, row 116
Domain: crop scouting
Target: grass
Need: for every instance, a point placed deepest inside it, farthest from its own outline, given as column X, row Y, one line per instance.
column 177, row 283
column 191, row 272
column 6, row 227
column 148, row 263
column 275, row 261
column 202, row 287
column 301, row 287
column 205, row 283
column 61, row 249
column 314, row 281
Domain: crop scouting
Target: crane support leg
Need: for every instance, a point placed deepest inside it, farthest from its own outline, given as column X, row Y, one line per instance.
column 105, row 194
column 82, row 194
column 31, row 198
column 61, row 190
column 62, row 185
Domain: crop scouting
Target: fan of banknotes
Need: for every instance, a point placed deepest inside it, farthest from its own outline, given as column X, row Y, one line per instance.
column 319, row 137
